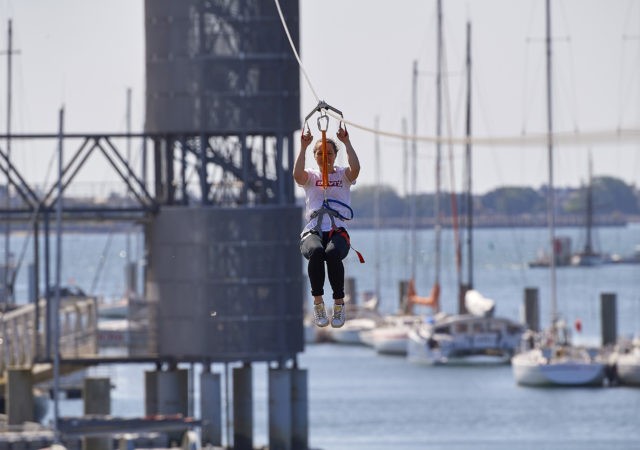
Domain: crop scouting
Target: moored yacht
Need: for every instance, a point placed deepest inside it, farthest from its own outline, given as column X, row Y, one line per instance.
column 554, row 361
column 464, row 339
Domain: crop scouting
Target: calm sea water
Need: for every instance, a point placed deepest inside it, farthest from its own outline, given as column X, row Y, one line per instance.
column 361, row 400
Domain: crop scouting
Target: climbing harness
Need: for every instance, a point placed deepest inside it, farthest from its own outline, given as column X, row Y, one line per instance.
column 327, row 208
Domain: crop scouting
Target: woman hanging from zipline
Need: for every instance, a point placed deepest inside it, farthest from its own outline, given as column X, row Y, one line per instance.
column 327, row 198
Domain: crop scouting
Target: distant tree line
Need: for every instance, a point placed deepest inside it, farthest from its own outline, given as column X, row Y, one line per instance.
column 610, row 197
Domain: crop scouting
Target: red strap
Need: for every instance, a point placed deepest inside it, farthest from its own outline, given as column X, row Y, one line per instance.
column 342, row 232
column 359, row 255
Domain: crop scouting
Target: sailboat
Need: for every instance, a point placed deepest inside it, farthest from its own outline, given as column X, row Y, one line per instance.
column 474, row 335
column 553, row 360
column 588, row 256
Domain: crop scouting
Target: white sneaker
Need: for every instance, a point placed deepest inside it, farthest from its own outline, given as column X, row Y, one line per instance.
column 338, row 316
column 320, row 315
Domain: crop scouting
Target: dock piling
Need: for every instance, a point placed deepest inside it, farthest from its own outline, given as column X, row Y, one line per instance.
column 97, row 400
column 608, row 317
column 19, row 396
column 211, row 407
column 242, row 408
column 279, row 409
column 531, row 309
column 299, row 410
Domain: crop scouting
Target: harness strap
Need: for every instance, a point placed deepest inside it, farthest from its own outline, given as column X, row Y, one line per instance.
column 332, row 213
column 319, row 213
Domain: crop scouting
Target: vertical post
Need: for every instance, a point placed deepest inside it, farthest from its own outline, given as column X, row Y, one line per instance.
column 131, row 278
column 47, row 286
column 169, row 180
column 56, row 302
column 403, row 299
column 97, row 400
column 36, row 285
column 608, row 316
column 376, row 211
column 299, row 410
column 19, row 396
column 242, row 408
column 531, row 309
column 414, row 166
column 166, row 393
column 183, row 172
column 245, row 151
column 436, row 209
column 551, row 217
column 290, row 158
column 204, row 186
column 468, row 165
column 350, row 293
column 31, row 285
column 128, row 153
column 279, row 409
column 151, row 392
column 8, row 273
column 211, row 407
column 158, row 162
column 462, row 293
column 33, row 297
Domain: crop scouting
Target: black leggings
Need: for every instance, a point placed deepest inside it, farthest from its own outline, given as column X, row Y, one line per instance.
column 318, row 249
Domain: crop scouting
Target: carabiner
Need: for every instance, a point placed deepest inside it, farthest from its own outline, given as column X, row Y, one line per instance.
column 323, row 115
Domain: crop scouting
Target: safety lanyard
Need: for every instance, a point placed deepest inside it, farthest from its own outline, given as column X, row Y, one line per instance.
column 325, row 159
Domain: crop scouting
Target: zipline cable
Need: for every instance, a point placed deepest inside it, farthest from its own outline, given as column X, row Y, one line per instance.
column 631, row 134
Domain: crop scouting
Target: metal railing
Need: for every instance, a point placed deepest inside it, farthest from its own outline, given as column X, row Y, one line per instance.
column 21, row 346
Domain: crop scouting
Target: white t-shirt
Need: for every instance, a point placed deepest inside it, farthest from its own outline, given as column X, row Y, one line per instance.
column 339, row 189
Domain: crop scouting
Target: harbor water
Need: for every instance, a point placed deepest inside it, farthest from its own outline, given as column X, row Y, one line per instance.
column 361, row 400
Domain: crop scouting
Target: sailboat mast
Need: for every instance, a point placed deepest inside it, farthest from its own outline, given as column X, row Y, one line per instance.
column 414, row 177
column 550, row 193
column 436, row 211
column 406, row 249
column 376, row 209
column 128, row 143
column 588, row 250
column 468, row 166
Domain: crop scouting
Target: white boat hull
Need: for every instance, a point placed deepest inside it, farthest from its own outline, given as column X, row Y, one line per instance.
column 349, row 333
column 391, row 338
column 464, row 340
column 392, row 346
column 628, row 368
column 418, row 354
column 532, row 369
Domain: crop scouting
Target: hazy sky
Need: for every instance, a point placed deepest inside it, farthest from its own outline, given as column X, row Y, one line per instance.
column 359, row 55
